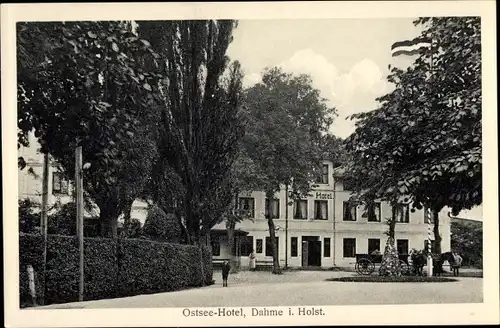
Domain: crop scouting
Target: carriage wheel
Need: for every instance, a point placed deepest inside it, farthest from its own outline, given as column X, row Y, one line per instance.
column 365, row 267
column 405, row 269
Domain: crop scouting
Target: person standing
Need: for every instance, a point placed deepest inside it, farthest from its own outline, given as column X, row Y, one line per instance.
column 457, row 262
column 225, row 273
column 251, row 259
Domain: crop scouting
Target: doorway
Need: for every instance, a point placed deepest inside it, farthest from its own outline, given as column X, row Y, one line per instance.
column 311, row 251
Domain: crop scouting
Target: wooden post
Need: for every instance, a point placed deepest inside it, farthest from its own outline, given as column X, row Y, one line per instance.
column 44, row 220
column 79, row 215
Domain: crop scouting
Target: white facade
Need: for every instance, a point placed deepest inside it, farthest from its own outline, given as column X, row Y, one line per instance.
column 332, row 234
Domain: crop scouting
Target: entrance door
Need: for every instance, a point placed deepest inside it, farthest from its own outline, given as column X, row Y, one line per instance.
column 314, row 253
column 305, row 252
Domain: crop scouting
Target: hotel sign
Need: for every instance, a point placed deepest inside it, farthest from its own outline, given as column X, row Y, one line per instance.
column 323, row 195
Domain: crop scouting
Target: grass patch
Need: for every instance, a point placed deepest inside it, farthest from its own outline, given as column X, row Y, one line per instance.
column 392, row 279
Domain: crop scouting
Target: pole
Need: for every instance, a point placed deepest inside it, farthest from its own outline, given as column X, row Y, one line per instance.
column 79, row 215
column 334, row 209
column 429, row 248
column 286, row 226
column 44, row 220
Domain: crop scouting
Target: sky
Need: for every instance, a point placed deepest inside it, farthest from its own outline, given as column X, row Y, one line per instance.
column 347, row 59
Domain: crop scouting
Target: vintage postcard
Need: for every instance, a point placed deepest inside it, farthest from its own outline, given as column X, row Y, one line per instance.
column 271, row 163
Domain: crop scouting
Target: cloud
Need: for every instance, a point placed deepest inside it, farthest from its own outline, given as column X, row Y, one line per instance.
column 350, row 92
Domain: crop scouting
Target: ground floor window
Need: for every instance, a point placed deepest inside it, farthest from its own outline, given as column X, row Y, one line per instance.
column 294, row 247
column 402, row 246
column 349, row 247
column 268, row 246
column 246, row 245
column 258, row 246
column 373, row 245
column 326, row 247
column 215, row 243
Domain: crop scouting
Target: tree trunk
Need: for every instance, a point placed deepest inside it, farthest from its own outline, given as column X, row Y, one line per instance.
column 272, row 235
column 230, row 225
column 126, row 215
column 392, row 222
column 109, row 222
column 437, row 236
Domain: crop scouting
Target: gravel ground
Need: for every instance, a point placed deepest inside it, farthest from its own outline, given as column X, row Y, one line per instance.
column 298, row 288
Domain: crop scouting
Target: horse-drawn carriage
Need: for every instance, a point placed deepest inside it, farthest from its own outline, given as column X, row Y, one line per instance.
column 366, row 263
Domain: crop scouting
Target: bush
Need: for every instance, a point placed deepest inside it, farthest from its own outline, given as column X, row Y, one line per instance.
column 147, row 267
column 63, row 222
column 30, row 253
column 125, row 267
column 28, row 219
column 161, row 226
column 101, row 269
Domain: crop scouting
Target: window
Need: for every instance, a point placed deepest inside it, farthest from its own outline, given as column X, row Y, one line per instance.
column 258, row 246
column 349, row 247
column 372, row 212
column 246, row 245
column 403, row 213
column 324, row 175
column 268, row 246
column 373, row 245
column 275, row 208
column 402, row 246
column 294, row 247
column 426, row 215
column 59, row 184
column 215, row 242
column 326, row 247
column 247, row 204
column 300, row 209
column 349, row 211
column 321, row 210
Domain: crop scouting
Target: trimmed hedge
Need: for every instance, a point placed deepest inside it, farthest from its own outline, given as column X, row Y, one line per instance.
column 207, row 265
column 120, row 268
column 147, row 267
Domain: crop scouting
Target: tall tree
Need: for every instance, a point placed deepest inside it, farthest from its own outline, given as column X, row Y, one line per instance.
column 287, row 119
column 84, row 83
column 425, row 138
column 199, row 125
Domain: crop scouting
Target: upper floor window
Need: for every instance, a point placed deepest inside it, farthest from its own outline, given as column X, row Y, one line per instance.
column 321, row 210
column 275, row 208
column 59, row 184
column 300, row 209
column 323, row 179
column 247, row 204
column 403, row 213
column 349, row 211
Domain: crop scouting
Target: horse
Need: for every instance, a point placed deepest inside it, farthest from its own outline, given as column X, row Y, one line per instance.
column 439, row 259
column 419, row 259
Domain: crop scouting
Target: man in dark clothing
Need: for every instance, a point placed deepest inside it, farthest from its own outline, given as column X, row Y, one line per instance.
column 225, row 273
